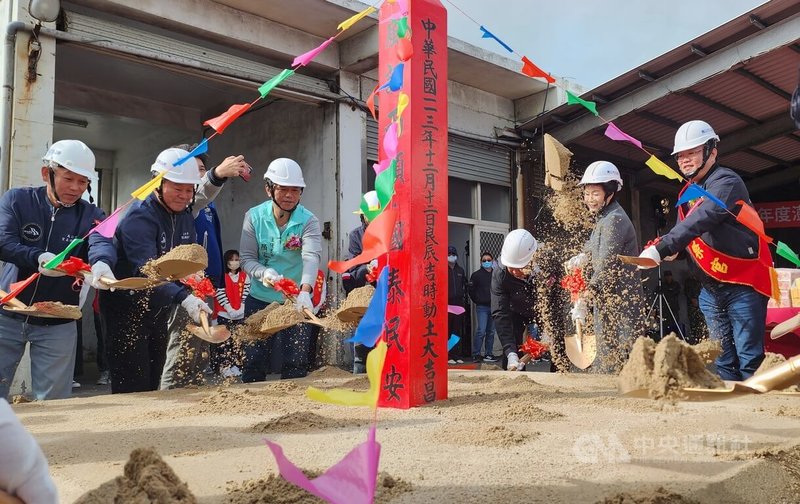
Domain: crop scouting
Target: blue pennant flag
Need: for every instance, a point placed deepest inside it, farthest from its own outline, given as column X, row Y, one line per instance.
column 201, row 148
column 694, row 191
column 488, row 34
column 396, row 80
column 452, row 342
column 371, row 324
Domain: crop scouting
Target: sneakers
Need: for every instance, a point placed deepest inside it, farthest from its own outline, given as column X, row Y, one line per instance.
column 490, row 358
column 451, row 362
column 455, row 361
column 75, row 384
column 231, row 372
column 513, row 362
column 104, row 379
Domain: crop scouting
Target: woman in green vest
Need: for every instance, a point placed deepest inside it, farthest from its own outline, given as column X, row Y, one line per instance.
column 280, row 238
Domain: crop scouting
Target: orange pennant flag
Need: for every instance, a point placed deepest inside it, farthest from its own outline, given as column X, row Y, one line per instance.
column 748, row 217
column 224, row 120
column 531, row 70
column 371, row 102
column 18, row 287
column 377, row 241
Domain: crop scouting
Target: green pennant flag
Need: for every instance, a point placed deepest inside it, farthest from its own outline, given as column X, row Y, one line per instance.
column 384, row 184
column 788, row 254
column 402, row 27
column 270, row 84
column 574, row 100
column 54, row 262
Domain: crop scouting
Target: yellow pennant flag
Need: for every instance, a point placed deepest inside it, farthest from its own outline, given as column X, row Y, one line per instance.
column 402, row 103
column 375, row 360
column 662, row 169
column 347, row 23
column 144, row 191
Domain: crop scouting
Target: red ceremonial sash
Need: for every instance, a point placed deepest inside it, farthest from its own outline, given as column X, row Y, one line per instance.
column 758, row 273
column 233, row 290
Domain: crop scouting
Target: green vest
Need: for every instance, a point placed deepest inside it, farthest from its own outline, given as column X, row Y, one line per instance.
column 272, row 251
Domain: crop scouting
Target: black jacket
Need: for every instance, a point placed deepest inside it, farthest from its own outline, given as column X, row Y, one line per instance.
column 480, row 287
column 456, row 285
column 513, row 307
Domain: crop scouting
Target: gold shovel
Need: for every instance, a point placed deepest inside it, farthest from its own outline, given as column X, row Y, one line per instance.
column 643, row 262
column 44, row 309
column 777, row 378
column 581, row 348
column 215, row 334
column 785, row 327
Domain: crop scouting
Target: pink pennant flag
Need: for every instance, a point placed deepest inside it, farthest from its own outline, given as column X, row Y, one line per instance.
column 390, row 141
column 352, row 480
column 381, row 165
column 614, row 133
column 455, row 310
column 305, row 59
column 108, row 226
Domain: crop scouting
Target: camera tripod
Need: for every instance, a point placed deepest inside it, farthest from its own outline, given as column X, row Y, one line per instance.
column 661, row 301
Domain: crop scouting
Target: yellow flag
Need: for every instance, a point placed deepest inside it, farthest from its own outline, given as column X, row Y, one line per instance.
column 375, row 360
column 144, row 191
column 347, row 23
column 662, row 169
column 402, row 103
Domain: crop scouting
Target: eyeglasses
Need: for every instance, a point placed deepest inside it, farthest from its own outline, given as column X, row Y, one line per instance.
column 688, row 154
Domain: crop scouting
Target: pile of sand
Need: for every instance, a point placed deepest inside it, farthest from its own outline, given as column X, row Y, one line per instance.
column 58, row 309
column 264, row 323
column 358, row 298
column 658, row 496
column 327, row 372
column 304, row 421
column 192, row 253
column 665, row 369
column 277, row 490
column 146, row 479
column 708, row 350
column 770, row 361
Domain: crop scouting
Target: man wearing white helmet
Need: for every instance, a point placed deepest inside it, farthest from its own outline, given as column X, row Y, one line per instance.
column 139, row 324
column 280, row 238
column 730, row 261
column 514, row 294
column 613, row 288
column 35, row 225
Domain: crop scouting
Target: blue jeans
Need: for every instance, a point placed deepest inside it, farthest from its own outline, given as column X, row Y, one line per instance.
column 52, row 356
column 292, row 344
column 484, row 331
column 736, row 317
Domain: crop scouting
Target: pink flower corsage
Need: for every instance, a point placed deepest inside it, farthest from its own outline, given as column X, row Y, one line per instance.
column 294, row 242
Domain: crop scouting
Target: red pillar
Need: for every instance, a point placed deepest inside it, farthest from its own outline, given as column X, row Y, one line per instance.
column 416, row 330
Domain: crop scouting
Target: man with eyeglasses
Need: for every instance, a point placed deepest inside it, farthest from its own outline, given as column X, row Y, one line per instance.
column 280, row 238
column 731, row 261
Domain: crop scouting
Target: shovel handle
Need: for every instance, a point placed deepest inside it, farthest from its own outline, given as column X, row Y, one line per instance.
column 204, row 323
column 777, row 378
column 14, row 303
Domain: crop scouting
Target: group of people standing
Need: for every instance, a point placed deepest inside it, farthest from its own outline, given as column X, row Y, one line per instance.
column 147, row 345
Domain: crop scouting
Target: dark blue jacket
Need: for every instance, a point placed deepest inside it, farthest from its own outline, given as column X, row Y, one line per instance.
column 713, row 224
column 209, row 235
column 149, row 231
column 31, row 226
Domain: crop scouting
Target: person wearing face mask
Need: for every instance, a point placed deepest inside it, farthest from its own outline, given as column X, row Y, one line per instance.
column 456, row 286
column 140, row 324
column 513, row 294
column 280, row 238
column 229, row 306
column 612, row 288
column 731, row 262
column 36, row 223
column 480, row 292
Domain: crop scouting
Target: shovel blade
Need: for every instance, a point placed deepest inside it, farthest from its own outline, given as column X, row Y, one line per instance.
column 177, row 268
column 644, row 262
column 785, row 327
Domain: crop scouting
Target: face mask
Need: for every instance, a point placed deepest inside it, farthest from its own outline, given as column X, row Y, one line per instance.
column 451, row 258
column 233, row 265
column 486, row 264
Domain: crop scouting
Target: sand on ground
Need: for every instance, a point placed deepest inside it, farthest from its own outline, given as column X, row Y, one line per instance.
column 501, row 436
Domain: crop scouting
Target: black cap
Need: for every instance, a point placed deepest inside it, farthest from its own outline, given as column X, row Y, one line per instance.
column 451, row 250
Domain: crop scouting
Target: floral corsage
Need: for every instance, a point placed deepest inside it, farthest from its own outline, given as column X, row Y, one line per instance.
column 294, row 242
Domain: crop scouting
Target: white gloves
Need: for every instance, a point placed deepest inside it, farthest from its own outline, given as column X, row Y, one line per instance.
column 513, row 362
column 193, row 306
column 303, row 300
column 234, row 314
column 23, row 467
column 579, row 311
column 44, row 259
column 372, row 265
column 270, row 276
column 650, row 253
column 575, row 262
column 101, row 270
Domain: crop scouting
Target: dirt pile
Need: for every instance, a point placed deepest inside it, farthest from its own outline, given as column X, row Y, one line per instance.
column 146, row 479
column 304, row 421
column 658, row 496
column 358, row 298
column 708, row 350
column 665, row 369
column 276, row 490
column 165, row 266
column 264, row 323
column 57, row 309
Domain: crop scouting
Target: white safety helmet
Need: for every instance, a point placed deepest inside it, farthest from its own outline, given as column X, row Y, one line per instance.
column 518, row 249
column 372, row 201
column 187, row 172
column 601, row 172
column 73, row 155
column 693, row 134
column 285, row 172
